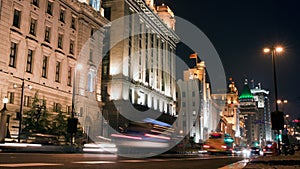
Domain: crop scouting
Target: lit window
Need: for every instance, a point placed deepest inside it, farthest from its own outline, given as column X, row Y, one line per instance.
column 27, row 100
column 71, row 47
column 91, row 81
column 32, row 30
column 44, row 66
column 47, row 34
column 70, row 76
column 95, row 4
column 13, row 55
column 11, row 97
column 60, row 41
column 29, row 61
column 57, row 72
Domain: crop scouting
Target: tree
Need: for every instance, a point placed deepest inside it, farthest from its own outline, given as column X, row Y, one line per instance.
column 36, row 120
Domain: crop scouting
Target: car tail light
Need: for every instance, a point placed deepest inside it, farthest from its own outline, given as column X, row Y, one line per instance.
column 264, row 149
column 206, row 146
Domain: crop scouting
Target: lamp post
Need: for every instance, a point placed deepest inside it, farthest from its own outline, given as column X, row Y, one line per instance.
column 21, row 111
column 20, row 114
column 3, row 120
column 72, row 122
column 274, row 51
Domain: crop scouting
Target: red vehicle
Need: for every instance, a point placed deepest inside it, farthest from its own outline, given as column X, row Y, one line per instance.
column 270, row 149
column 217, row 143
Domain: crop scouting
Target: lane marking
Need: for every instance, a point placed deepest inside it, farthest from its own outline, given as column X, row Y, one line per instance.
column 237, row 165
column 29, row 165
column 94, row 162
column 133, row 161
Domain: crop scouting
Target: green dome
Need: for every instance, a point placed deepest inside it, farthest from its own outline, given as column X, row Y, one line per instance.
column 246, row 93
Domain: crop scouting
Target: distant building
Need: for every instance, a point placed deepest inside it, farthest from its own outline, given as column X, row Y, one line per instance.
column 196, row 105
column 248, row 113
column 263, row 117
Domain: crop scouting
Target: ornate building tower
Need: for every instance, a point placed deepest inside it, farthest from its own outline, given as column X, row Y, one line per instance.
column 248, row 113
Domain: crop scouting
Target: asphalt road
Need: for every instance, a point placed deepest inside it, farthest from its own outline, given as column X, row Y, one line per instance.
column 107, row 161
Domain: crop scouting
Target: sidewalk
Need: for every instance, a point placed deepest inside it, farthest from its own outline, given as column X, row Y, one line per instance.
column 275, row 162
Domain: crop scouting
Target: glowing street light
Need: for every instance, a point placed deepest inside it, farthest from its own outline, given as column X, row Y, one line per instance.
column 276, row 114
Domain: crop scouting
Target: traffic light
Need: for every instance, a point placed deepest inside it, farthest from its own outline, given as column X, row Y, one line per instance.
column 277, row 120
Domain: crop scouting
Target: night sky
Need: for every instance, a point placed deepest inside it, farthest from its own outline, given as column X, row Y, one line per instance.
column 240, row 29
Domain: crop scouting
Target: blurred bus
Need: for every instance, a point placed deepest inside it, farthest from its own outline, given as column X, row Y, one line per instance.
column 219, row 143
column 148, row 134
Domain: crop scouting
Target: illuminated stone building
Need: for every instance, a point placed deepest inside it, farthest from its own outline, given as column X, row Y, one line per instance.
column 138, row 72
column 196, row 111
column 41, row 41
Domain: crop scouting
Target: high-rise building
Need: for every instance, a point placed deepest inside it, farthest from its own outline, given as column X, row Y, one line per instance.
column 263, row 116
column 41, row 43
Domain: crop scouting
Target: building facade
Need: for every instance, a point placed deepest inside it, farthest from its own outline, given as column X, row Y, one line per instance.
column 41, row 44
column 196, row 105
column 263, row 117
column 138, row 70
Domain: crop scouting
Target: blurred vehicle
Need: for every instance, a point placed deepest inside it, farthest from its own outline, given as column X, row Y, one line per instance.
column 219, row 143
column 270, row 149
column 142, row 136
column 255, row 151
column 237, row 150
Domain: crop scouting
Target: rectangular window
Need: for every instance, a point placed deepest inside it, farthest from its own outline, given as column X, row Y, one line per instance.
column 29, row 61
column 92, row 33
column 49, row 7
column 44, row 66
column 11, row 97
column 91, row 55
column 70, row 76
column 17, row 18
column 57, row 72
column 27, row 101
column 35, row 3
column 47, row 34
column 32, row 30
column 71, row 47
column 62, row 15
column 107, row 13
column 69, row 110
column 60, row 41
column 13, row 55
column 73, row 22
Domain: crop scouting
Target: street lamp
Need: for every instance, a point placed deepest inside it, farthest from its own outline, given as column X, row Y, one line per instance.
column 274, row 51
column 20, row 114
column 282, row 102
column 72, row 122
column 3, row 120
